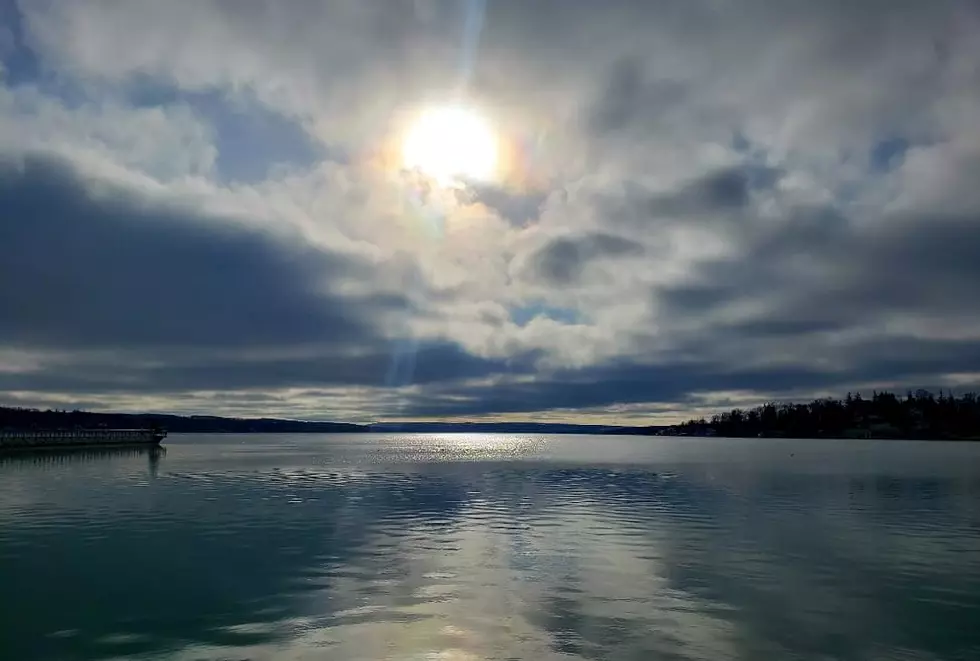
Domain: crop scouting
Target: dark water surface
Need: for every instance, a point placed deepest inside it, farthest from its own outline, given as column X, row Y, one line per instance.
column 465, row 547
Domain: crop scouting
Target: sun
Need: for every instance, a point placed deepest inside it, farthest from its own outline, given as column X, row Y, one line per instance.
column 451, row 145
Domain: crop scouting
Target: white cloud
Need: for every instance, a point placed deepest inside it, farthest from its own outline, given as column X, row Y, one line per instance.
column 166, row 143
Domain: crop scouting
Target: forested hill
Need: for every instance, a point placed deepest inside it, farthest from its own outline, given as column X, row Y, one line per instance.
column 21, row 418
column 919, row 415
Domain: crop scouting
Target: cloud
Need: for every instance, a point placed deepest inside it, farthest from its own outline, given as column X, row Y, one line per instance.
column 167, row 142
column 103, row 269
column 719, row 191
column 520, row 208
column 630, row 100
column 152, row 297
column 700, row 199
column 563, row 260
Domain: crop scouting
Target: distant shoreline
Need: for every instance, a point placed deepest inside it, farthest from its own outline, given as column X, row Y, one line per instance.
column 33, row 419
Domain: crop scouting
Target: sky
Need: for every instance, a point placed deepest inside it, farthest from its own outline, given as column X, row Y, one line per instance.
column 698, row 204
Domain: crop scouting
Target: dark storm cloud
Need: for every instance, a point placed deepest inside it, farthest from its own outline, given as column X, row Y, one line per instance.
column 381, row 366
column 561, row 261
column 820, row 271
column 87, row 266
column 909, row 361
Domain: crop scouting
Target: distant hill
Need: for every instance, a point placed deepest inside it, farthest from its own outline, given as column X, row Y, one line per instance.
column 19, row 418
column 509, row 428
column 23, row 418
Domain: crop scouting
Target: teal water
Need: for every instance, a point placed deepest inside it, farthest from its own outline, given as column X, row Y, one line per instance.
column 466, row 547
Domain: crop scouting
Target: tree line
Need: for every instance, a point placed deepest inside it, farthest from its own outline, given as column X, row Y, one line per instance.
column 918, row 415
column 35, row 419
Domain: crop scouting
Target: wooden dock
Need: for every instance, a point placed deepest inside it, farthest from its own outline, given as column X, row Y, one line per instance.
column 78, row 438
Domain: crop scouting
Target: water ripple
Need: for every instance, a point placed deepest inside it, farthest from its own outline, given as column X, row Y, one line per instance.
column 482, row 547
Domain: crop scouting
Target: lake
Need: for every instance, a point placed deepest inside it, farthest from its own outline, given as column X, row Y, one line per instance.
column 467, row 547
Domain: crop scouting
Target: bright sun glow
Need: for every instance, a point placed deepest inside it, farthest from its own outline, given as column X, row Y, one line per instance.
column 451, row 144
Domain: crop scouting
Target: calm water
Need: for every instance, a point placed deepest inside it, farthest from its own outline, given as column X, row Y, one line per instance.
column 465, row 547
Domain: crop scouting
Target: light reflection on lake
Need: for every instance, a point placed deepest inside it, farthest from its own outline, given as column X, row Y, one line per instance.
column 493, row 547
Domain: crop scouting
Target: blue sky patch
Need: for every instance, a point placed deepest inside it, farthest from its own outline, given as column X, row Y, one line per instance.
column 21, row 65
column 252, row 139
column 20, row 62
column 523, row 314
column 888, row 154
